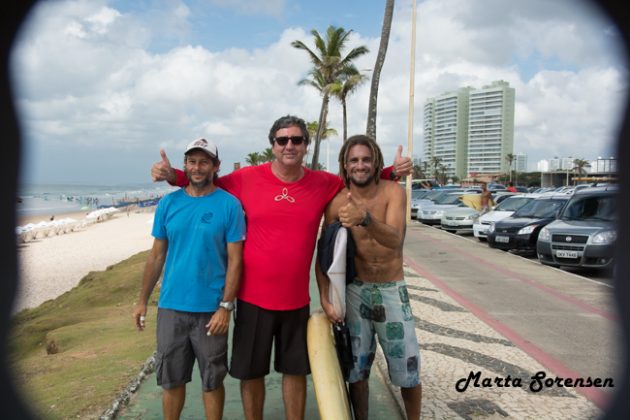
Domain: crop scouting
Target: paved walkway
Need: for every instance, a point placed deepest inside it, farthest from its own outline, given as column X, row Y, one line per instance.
column 462, row 335
column 146, row 403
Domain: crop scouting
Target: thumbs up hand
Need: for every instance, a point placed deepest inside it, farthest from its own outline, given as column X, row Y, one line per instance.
column 352, row 213
column 402, row 164
column 162, row 170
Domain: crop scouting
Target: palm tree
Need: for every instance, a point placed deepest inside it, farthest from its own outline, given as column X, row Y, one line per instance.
column 349, row 81
column 267, row 155
column 328, row 65
column 312, row 128
column 510, row 157
column 380, row 60
column 417, row 172
column 579, row 166
column 253, row 159
column 435, row 163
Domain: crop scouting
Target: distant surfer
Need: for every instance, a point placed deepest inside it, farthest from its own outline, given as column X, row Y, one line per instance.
column 377, row 302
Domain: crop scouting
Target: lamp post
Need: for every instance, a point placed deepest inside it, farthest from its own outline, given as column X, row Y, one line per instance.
column 568, row 172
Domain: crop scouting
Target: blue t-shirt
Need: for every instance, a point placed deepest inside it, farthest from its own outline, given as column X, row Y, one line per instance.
column 198, row 230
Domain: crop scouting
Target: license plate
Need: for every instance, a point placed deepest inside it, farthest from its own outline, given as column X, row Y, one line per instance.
column 502, row 239
column 567, row 254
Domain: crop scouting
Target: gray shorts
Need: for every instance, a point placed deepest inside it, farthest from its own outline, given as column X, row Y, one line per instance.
column 382, row 310
column 182, row 338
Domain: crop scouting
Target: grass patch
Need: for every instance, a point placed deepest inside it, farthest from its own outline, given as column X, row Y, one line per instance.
column 94, row 349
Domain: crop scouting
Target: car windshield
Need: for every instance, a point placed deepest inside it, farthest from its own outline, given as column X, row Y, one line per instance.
column 417, row 194
column 512, row 203
column 590, row 208
column 540, row 209
column 448, row 199
column 434, row 194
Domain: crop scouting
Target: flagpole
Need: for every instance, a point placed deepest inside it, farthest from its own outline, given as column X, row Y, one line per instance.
column 411, row 105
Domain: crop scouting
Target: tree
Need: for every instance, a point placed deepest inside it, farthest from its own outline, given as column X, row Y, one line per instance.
column 349, row 81
column 267, row 155
column 253, row 159
column 417, row 172
column 435, row 163
column 328, row 65
column 510, row 158
column 579, row 166
column 312, row 128
column 376, row 74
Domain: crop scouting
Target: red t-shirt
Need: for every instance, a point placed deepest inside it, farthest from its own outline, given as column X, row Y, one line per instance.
column 282, row 225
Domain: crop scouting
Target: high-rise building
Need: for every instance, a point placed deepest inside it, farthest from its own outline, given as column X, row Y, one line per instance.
column 445, row 125
column 520, row 162
column 491, row 128
column 471, row 130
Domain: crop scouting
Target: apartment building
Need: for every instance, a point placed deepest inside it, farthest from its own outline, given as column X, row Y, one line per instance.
column 471, row 130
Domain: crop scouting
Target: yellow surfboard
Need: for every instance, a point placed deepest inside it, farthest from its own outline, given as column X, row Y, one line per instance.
column 330, row 387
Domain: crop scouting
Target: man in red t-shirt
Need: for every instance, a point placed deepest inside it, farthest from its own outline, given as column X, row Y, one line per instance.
column 283, row 203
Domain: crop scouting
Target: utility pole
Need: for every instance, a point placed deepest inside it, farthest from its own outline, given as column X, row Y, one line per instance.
column 412, row 66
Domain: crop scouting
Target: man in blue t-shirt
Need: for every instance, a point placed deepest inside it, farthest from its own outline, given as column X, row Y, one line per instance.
column 199, row 232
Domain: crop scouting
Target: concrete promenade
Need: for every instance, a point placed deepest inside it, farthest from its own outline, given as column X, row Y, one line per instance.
column 504, row 320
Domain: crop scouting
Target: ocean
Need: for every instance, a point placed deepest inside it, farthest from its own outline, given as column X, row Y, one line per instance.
column 54, row 199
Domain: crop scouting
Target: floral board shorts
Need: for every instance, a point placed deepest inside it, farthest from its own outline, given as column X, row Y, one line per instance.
column 382, row 310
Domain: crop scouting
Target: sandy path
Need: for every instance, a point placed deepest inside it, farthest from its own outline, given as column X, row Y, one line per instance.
column 51, row 266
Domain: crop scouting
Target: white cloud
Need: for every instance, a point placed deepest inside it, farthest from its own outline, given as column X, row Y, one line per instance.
column 84, row 72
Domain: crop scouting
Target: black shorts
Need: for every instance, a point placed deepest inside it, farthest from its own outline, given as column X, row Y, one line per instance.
column 182, row 338
column 256, row 329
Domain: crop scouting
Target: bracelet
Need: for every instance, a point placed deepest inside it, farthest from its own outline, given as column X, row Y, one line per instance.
column 393, row 176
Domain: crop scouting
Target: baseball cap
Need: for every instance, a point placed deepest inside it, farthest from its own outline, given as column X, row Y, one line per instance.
column 205, row 145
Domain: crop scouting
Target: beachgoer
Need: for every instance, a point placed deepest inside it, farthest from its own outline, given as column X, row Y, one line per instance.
column 199, row 232
column 377, row 302
column 283, row 202
column 486, row 199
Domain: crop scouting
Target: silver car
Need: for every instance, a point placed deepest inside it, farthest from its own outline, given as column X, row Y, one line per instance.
column 432, row 213
column 585, row 232
column 459, row 219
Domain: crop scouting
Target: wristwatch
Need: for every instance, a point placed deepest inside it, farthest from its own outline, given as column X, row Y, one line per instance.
column 366, row 220
column 228, row 306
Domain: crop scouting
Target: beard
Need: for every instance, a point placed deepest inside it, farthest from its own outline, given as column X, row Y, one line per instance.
column 197, row 184
column 362, row 183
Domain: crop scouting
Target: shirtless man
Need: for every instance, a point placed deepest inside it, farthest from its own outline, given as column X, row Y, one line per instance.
column 377, row 302
column 486, row 199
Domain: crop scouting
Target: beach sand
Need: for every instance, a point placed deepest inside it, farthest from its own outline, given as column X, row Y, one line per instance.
column 51, row 266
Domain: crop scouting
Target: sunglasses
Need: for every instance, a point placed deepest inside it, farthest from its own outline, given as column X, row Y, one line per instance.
column 296, row 140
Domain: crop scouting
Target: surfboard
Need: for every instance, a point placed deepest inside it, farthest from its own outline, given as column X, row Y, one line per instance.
column 330, row 387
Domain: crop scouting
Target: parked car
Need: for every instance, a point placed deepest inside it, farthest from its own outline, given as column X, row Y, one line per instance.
column 503, row 209
column 428, row 200
column 431, row 214
column 520, row 230
column 459, row 219
column 585, row 232
column 493, row 187
column 416, row 197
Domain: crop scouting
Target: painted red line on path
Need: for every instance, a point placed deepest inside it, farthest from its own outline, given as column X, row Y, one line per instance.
column 549, row 290
column 595, row 395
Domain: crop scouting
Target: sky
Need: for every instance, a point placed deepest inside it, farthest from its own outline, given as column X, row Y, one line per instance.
column 102, row 85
